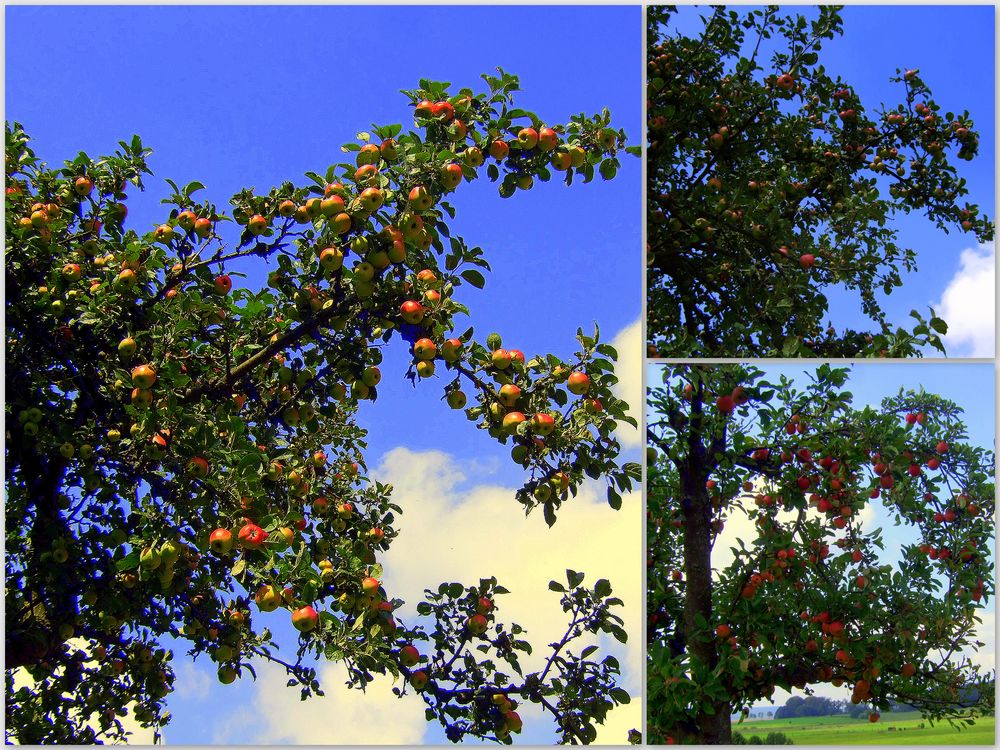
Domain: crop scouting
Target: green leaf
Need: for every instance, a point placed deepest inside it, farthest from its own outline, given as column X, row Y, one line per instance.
column 474, row 277
column 553, row 585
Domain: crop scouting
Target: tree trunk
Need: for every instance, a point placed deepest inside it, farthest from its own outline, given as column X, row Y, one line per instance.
column 713, row 728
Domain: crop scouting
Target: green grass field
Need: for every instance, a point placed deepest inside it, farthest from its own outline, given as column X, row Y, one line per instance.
column 891, row 729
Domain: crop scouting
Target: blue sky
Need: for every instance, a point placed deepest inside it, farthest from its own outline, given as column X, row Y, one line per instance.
column 252, row 96
column 954, row 49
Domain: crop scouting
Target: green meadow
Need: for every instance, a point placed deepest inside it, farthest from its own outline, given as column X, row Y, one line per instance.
column 891, row 729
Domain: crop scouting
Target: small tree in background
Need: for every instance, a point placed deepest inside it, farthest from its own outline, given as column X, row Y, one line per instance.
column 770, row 181
column 183, row 455
column 809, row 597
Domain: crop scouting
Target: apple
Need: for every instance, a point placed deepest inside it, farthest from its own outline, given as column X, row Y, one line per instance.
column 424, row 109
column 286, row 208
column 451, row 176
column 608, row 139
column 942, row 447
column 71, row 272
column 252, row 536
column 143, row 377
column 418, row 679
column 499, row 150
column 725, row 404
column 512, row 420
column 313, row 207
column 908, row 670
column 807, row 260
column 911, row 418
column 83, row 186
column 527, row 138
column 457, row 399
column 509, row 394
column 164, row 233
column 371, row 376
column 227, row 674
column 561, row 161
column 203, row 227
column 268, row 598
column 500, row 359
column 257, row 224
column 222, row 285
column 389, row 150
column 547, row 139
column 198, row 467
column 723, row 631
column 371, row 199
column 473, row 157
column 451, row 350
column 305, row 619
column 331, row 206
column 420, row 199
column 424, row 349
column 543, row 424
column 484, row 606
column 331, row 258
column 141, row 398
column 578, row 383
column 477, row 624
column 186, row 220
column 412, row 312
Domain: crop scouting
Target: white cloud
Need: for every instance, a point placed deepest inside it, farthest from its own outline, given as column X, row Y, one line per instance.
column 968, row 304
column 460, row 534
column 628, row 344
column 342, row 717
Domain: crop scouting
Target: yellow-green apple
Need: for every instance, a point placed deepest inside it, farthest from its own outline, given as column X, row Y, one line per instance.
column 257, row 224
column 268, row 598
column 331, row 258
column 527, row 138
column 477, row 624
column 451, row 350
column 203, row 227
column 424, row 349
column 509, row 394
column 457, row 399
column 186, row 220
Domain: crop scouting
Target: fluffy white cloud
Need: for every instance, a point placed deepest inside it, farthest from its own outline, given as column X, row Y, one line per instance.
column 342, row 717
column 628, row 344
column 460, row 533
column 968, row 304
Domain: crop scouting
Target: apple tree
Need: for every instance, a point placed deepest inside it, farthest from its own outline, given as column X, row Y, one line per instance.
column 812, row 595
column 771, row 182
column 183, row 455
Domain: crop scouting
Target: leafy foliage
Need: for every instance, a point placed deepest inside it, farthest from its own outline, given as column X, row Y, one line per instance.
column 770, row 181
column 809, row 596
column 182, row 452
